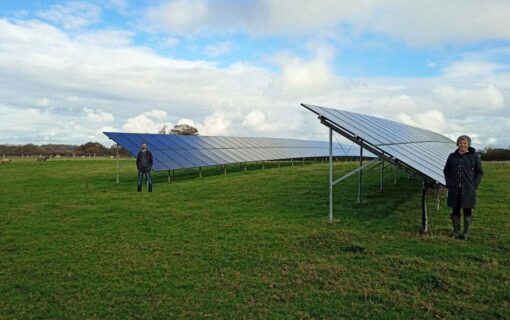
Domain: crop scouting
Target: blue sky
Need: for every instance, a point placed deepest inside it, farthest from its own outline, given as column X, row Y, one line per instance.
column 73, row 69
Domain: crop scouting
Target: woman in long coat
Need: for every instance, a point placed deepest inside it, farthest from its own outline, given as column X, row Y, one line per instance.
column 463, row 173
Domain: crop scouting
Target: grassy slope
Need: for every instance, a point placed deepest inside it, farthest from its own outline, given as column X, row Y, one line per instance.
column 73, row 244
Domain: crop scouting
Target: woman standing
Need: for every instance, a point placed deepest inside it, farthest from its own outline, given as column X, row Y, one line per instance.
column 463, row 173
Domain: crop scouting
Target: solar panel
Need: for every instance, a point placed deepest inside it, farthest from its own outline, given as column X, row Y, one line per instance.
column 172, row 152
column 419, row 149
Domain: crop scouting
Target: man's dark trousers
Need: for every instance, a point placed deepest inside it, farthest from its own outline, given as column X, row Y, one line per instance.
column 147, row 174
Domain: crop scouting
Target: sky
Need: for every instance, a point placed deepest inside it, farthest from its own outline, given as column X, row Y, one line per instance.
column 70, row 70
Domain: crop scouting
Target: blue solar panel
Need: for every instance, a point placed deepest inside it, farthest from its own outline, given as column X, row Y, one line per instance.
column 179, row 152
column 422, row 150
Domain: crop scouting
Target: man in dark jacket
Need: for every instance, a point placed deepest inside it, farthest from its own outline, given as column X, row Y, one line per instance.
column 463, row 173
column 144, row 162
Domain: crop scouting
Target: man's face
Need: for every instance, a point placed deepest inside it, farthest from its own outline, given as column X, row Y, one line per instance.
column 143, row 146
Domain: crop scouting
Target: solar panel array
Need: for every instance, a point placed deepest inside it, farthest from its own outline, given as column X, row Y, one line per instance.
column 180, row 152
column 422, row 150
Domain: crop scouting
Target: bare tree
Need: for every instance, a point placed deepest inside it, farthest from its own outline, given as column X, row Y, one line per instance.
column 164, row 130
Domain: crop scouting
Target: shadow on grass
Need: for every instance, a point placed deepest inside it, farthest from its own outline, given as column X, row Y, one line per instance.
column 376, row 204
column 303, row 190
column 196, row 173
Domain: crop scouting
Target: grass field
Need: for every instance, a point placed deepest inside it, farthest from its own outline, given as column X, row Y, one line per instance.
column 74, row 244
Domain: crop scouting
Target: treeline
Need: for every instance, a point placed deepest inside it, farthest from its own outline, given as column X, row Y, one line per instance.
column 63, row 150
column 97, row 149
column 495, row 154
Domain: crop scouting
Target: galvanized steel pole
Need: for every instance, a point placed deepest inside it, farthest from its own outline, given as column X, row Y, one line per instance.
column 424, row 219
column 382, row 172
column 117, row 163
column 437, row 196
column 330, row 174
column 361, row 171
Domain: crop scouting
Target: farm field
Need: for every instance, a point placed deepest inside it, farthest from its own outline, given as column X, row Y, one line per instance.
column 74, row 244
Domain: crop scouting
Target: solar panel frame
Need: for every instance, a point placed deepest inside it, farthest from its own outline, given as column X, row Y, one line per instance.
column 178, row 144
column 233, row 155
column 214, row 143
column 180, row 152
column 217, row 155
column 171, row 158
column 395, row 141
column 181, row 161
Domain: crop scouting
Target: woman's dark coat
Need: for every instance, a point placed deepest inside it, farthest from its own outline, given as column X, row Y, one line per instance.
column 467, row 171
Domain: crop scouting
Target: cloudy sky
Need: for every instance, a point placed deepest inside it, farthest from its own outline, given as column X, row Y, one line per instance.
column 72, row 69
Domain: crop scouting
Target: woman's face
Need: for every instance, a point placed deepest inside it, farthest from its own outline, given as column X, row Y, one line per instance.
column 463, row 146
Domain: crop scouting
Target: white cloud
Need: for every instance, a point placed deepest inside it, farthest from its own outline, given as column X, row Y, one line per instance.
column 179, row 16
column 98, row 116
column 42, row 102
column 156, row 114
column 188, row 122
column 106, row 38
column 218, row 49
column 217, row 124
column 169, row 42
column 406, row 119
column 432, row 22
column 433, row 120
column 45, row 126
column 301, row 78
column 470, row 99
column 124, row 83
column 257, row 121
column 72, row 15
column 418, row 24
column 148, row 122
column 492, row 141
column 470, row 69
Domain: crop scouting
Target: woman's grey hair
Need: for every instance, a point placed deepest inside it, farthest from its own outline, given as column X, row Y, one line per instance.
column 464, row 137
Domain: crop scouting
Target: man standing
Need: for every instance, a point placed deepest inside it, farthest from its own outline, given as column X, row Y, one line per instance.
column 144, row 164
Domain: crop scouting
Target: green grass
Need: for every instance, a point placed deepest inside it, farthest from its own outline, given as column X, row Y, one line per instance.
column 74, row 244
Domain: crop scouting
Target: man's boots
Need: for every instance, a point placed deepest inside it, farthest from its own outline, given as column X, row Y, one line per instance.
column 456, row 226
column 467, row 224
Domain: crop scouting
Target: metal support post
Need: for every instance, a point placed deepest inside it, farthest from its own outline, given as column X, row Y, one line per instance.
column 245, row 167
column 200, row 172
column 303, row 161
column 330, row 174
column 361, row 171
column 382, row 172
column 169, row 176
column 437, row 196
column 396, row 174
column 117, row 163
column 224, row 169
column 263, row 165
column 424, row 219
column 291, row 162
